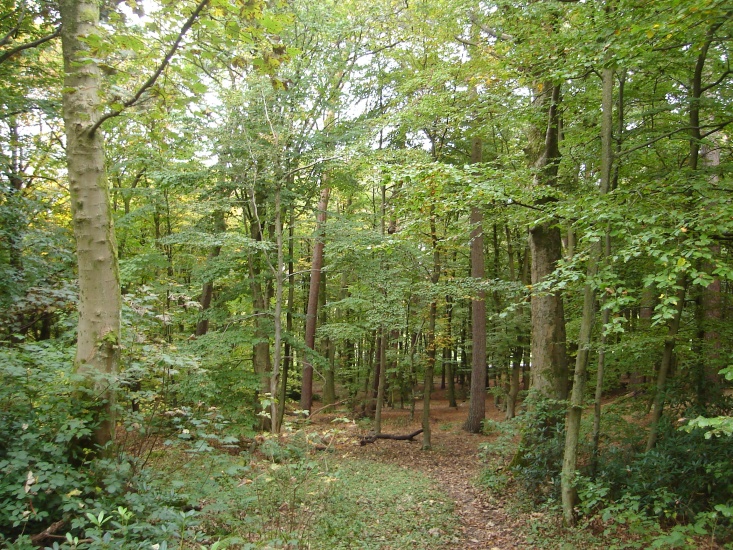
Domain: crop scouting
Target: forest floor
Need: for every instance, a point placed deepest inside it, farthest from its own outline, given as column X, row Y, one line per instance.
column 453, row 465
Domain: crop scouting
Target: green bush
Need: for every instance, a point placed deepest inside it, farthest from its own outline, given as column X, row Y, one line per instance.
column 47, row 475
column 538, row 460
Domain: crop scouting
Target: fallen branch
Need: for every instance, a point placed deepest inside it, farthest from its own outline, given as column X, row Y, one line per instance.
column 48, row 533
column 328, row 407
column 373, row 438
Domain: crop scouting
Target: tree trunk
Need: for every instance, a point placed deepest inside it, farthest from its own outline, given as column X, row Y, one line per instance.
column 207, row 292
column 549, row 360
column 381, row 377
column 515, row 370
column 311, row 318
column 98, row 333
column 666, row 365
column 261, row 361
column 548, row 355
column 577, row 398
column 430, row 364
column 288, row 358
column 428, row 380
column 477, row 404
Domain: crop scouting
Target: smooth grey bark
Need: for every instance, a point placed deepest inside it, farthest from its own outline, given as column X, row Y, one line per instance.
column 98, row 333
column 577, row 397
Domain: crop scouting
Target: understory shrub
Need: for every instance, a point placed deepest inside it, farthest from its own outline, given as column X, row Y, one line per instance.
column 538, row 459
column 48, row 476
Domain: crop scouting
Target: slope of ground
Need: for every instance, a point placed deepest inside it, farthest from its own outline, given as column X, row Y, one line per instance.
column 453, row 464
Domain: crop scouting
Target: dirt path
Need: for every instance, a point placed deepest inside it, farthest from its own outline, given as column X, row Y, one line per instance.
column 454, row 465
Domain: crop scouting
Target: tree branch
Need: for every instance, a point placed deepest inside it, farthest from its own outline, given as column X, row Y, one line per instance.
column 311, row 165
column 715, row 128
column 154, row 77
column 6, row 39
column 28, row 45
column 491, row 31
column 714, row 84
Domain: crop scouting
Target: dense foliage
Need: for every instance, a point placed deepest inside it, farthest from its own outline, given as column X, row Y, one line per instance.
column 308, row 187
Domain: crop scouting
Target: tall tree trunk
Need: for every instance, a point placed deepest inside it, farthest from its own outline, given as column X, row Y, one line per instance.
column 428, row 380
column 327, row 347
column 306, row 394
column 606, row 313
column 98, row 333
column 261, row 360
column 577, row 398
column 288, row 358
column 430, row 364
column 548, row 355
column 275, row 403
column 477, row 405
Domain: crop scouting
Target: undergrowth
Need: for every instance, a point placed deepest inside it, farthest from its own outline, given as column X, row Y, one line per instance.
column 180, row 479
column 679, row 495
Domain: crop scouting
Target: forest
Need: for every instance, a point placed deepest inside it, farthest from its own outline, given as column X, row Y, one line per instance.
column 374, row 274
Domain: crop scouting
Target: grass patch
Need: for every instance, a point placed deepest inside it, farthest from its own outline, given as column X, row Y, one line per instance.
column 295, row 499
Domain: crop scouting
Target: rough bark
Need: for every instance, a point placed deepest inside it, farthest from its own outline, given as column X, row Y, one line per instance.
column 98, row 334
column 549, row 359
column 477, row 405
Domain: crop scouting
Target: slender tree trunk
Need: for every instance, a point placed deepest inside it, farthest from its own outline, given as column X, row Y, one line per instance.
column 207, row 292
column 382, row 369
column 448, row 352
column 99, row 305
column 428, row 380
column 577, row 398
column 288, row 359
column 306, row 394
column 513, row 393
column 275, row 403
column 605, row 318
column 261, row 360
column 666, row 365
column 430, row 364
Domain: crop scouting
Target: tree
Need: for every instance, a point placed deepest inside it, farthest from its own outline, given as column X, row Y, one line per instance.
column 98, row 333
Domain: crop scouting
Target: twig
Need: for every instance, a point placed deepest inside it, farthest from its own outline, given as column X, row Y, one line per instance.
column 28, row 45
column 154, row 77
column 327, row 406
